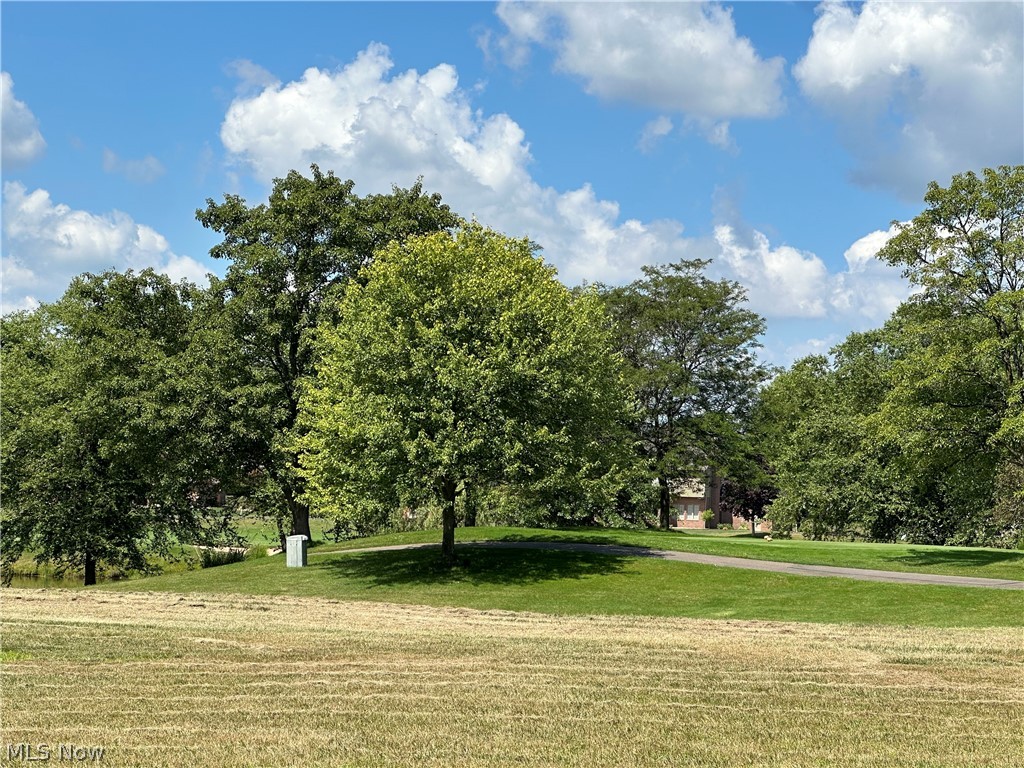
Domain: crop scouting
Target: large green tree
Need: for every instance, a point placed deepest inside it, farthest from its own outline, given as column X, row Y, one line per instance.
column 458, row 362
column 965, row 252
column 812, row 423
column 891, row 437
column 690, row 344
column 913, row 430
column 107, row 441
column 289, row 261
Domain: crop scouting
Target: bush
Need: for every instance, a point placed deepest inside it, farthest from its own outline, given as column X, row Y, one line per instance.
column 211, row 558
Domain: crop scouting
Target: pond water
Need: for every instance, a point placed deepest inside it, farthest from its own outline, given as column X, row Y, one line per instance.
column 37, row 582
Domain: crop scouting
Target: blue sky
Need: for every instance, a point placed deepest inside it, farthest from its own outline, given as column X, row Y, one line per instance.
column 777, row 139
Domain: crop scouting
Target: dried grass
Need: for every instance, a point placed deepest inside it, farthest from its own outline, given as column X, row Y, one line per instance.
column 171, row 680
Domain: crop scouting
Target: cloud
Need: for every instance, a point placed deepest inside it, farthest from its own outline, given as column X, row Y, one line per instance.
column 251, row 77
column 813, row 346
column 144, row 171
column 45, row 245
column 922, row 90
column 381, row 129
column 654, row 131
column 783, row 281
column 869, row 289
column 683, row 58
column 714, row 132
column 20, row 139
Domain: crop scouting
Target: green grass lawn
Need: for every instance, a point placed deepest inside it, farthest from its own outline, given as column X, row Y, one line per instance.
column 256, row 531
column 587, row 583
column 952, row 561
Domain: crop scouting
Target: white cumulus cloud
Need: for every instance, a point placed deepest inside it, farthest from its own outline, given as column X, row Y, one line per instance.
column 682, row 58
column 922, row 90
column 377, row 128
column 782, row 280
column 381, row 130
column 20, row 139
column 869, row 289
column 47, row 244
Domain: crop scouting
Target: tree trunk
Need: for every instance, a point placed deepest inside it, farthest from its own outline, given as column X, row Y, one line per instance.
column 664, row 503
column 470, row 502
column 299, row 512
column 448, row 522
column 753, row 525
column 281, row 535
column 90, row 569
column 713, row 498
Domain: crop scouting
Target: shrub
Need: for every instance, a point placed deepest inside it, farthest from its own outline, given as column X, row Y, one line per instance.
column 211, row 558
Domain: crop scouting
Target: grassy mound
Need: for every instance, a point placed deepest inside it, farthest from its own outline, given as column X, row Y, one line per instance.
column 981, row 562
column 575, row 583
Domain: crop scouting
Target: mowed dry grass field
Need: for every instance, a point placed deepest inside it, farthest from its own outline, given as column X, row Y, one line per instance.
column 173, row 680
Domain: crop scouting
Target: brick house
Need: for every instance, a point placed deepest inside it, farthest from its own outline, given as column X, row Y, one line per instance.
column 691, row 498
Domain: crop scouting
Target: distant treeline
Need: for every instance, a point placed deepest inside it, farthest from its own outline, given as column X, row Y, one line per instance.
column 372, row 358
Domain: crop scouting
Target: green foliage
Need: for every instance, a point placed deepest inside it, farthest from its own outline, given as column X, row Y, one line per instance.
column 461, row 362
column 106, row 450
column 1009, row 508
column 256, row 553
column 211, row 558
column 914, row 431
column 831, row 484
column 290, row 261
column 966, row 251
column 690, row 347
column 503, row 505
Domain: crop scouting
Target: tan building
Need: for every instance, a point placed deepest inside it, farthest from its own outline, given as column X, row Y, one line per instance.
column 690, row 499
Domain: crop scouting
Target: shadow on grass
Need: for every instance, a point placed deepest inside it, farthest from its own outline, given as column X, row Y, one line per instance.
column 968, row 558
column 613, row 535
column 579, row 536
column 474, row 566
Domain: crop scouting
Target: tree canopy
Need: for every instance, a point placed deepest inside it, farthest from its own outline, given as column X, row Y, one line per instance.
column 913, row 430
column 690, row 344
column 460, row 361
column 290, row 260
column 106, row 452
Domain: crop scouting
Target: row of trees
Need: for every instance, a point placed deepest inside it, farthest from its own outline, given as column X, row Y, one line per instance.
column 360, row 355
column 916, row 430
column 368, row 354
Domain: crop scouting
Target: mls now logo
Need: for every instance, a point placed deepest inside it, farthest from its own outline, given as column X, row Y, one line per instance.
column 46, row 752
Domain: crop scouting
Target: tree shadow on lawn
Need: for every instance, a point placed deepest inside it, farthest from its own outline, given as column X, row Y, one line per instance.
column 967, row 558
column 580, row 536
column 474, row 566
column 612, row 536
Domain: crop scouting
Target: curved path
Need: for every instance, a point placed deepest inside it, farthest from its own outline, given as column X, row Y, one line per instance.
column 864, row 574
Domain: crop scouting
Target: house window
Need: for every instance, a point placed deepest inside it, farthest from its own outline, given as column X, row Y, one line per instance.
column 692, row 511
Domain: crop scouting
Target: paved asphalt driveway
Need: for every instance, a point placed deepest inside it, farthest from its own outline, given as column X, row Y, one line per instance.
column 864, row 574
